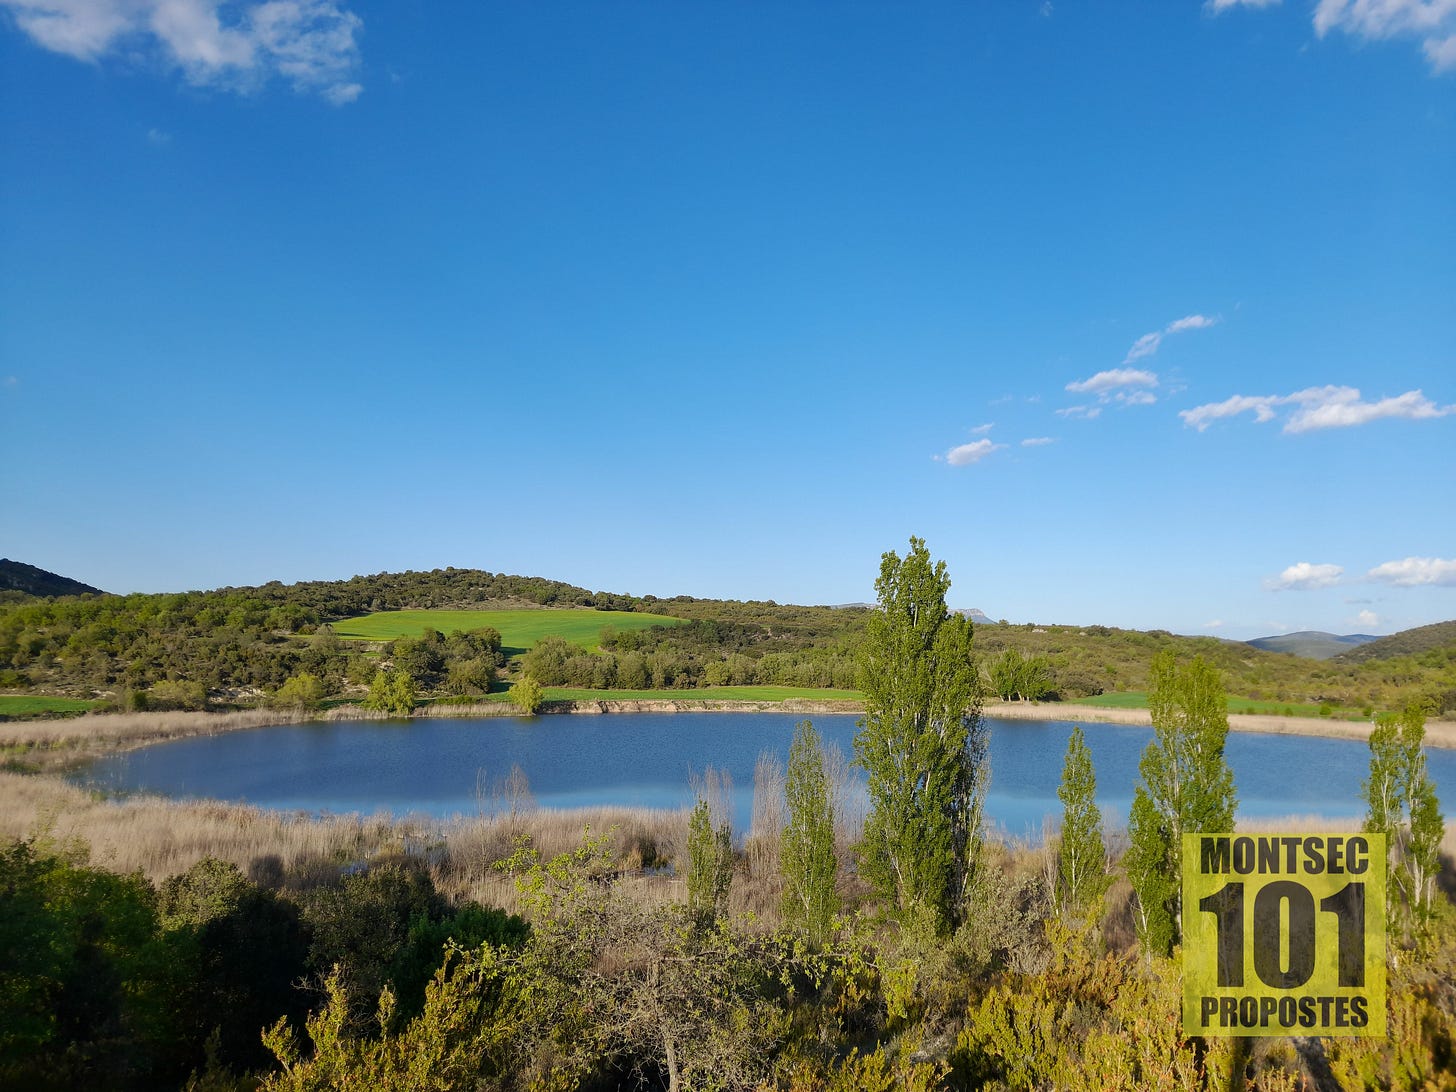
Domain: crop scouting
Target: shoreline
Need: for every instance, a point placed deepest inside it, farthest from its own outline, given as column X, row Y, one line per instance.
column 64, row 741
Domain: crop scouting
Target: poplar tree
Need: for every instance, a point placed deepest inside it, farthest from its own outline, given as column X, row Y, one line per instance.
column 921, row 741
column 710, row 866
column 1187, row 787
column 1402, row 805
column 1082, row 856
column 807, row 859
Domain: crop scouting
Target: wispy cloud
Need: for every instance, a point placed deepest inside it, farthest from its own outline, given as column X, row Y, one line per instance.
column 981, row 430
column 310, row 43
column 1105, row 382
column 1128, row 386
column 1432, row 22
column 1086, row 413
column 974, row 452
column 1414, row 572
column 1037, row 441
column 1217, row 7
column 1368, row 618
column 1305, row 576
column 1317, row 408
column 1148, row 344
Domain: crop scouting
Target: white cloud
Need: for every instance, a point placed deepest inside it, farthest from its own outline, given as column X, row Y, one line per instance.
column 1087, row 413
column 158, row 137
column 1037, row 441
column 1217, row 7
column 1104, row 382
column 310, row 43
column 1432, row 21
column 1317, row 408
column 1368, row 618
column 1136, row 398
column 1441, row 52
column 1217, row 623
column 1341, row 407
column 974, row 452
column 1148, row 344
column 1415, row 572
column 1305, row 576
column 981, row 430
column 1190, row 322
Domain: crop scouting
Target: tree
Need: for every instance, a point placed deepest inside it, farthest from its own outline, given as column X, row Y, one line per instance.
column 302, row 691
column 527, row 695
column 1187, row 788
column 1015, row 676
column 921, row 741
column 1402, row 805
column 1082, row 857
column 807, row 859
column 710, row 865
column 392, row 692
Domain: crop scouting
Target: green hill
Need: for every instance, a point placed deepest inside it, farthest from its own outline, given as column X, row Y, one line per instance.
column 16, row 576
column 1409, row 642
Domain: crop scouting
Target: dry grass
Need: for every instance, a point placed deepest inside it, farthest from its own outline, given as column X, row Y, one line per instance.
column 161, row 838
column 1439, row 733
column 61, row 742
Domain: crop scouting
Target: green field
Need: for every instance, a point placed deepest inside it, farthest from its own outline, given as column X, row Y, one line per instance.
column 1136, row 699
column 519, row 629
column 28, row 705
column 706, row 693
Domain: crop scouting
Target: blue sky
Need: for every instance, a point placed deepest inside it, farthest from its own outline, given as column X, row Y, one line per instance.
column 1140, row 314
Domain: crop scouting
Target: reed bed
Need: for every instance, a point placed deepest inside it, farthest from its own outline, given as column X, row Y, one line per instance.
column 160, row 838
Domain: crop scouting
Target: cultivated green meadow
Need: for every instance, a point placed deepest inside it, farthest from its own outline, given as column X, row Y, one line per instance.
column 1136, row 699
column 519, row 629
column 29, row 705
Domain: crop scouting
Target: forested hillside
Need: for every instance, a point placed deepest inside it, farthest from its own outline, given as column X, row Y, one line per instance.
column 242, row 646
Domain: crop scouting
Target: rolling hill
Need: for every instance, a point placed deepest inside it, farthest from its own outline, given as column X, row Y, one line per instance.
column 16, row 576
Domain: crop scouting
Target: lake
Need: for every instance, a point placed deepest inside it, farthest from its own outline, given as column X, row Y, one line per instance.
column 439, row 767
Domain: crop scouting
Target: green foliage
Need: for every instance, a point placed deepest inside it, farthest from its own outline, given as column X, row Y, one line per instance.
column 392, row 692
column 1085, row 1023
column 1186, row 787
column 806, row 856
column 1082, row 874
column 246, row 947
column 1401, row 804
column 710, row 866
column 177, row 694
column 921, row 741
column 1014, row 676
column 302, row 691
column 527, row 695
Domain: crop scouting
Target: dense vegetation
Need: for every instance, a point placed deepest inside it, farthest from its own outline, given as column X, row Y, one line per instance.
column 241, row 646
column 910, row 955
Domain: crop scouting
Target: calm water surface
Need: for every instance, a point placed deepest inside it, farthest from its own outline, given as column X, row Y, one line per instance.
column 437, row 767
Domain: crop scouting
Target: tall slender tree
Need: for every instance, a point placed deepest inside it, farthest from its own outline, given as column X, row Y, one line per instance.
column 807, row 858
column 1402, row 805
column 1187, row 787
column 921, row 741
column 1082, row 856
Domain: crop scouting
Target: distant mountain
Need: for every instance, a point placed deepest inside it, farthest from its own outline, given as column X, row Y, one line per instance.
column 1312, row 644
column 16, row 576
column 976, row 616
column 1408, row 642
